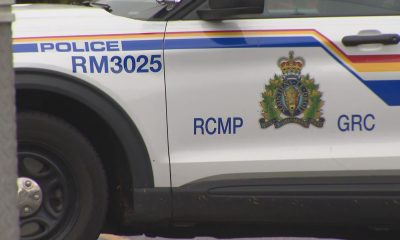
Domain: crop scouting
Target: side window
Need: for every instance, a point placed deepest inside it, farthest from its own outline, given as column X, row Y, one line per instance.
column 289, row 7
column 319, row 8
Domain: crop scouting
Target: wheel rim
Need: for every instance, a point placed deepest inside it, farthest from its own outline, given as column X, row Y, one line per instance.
column 47, row 176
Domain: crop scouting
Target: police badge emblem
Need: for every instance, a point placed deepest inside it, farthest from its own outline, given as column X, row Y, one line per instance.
column 291, row 97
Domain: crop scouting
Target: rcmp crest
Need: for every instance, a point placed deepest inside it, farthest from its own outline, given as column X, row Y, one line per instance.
column 291, row 97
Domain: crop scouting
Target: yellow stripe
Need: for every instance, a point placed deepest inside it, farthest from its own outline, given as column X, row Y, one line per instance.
column 377, row 67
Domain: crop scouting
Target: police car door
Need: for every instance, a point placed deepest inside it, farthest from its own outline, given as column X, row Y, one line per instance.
column 307, row 86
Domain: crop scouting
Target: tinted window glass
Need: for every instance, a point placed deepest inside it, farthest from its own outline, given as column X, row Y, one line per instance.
column 137, row 9
column 321, row 8
column 331, row 7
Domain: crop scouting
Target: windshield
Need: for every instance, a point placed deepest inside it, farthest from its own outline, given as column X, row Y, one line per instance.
column 137, row 9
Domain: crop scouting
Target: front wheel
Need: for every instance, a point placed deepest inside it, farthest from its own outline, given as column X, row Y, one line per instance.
column 62, row 188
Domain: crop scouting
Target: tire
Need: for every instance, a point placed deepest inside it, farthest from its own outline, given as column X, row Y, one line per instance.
column 67, row 175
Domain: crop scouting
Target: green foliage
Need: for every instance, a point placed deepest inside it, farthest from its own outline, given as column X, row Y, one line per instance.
column 315, row 102
column 268, row 104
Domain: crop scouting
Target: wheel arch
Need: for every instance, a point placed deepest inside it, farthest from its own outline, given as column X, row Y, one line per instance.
column 43, row 90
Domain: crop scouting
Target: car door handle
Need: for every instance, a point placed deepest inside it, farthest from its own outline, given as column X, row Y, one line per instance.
column 386, row 39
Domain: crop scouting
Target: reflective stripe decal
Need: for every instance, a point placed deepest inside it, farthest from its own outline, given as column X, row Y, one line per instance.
column 240, row 42
column 136, row 45
column 25, row 48
column 387, row 90
column 374, row 58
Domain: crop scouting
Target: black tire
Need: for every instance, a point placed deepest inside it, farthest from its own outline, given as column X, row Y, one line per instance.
column 68, row 170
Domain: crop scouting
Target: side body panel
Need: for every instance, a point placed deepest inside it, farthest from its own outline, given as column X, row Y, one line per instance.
column 120, row 56
column 217, row 72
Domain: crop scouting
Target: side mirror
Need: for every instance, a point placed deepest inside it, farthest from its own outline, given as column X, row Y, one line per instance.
column 225, row 9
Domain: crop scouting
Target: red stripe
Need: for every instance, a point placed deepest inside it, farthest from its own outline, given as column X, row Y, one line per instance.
column 374, row 58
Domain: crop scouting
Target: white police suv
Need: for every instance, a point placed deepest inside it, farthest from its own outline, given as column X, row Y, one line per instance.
column 140, row 112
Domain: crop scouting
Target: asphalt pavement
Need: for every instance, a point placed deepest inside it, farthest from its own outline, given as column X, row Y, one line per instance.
column 365, row 235
column 112, row 237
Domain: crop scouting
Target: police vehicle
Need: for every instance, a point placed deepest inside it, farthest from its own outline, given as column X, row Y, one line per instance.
column 133, row 113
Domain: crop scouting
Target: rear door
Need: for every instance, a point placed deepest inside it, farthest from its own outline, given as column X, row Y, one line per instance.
column 280, row 92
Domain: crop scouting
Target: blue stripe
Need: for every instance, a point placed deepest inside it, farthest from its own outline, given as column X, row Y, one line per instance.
column 210, row 43
column 387, row 90
column 25, row 47
column 288, row 42
column 250, row 42
column 137, row 45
